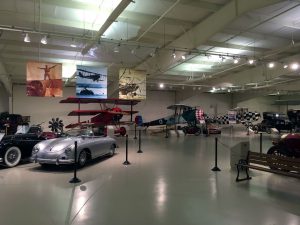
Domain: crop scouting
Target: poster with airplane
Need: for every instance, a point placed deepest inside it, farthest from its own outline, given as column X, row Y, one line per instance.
column 91, row 82
column 44, row 79
column 132, row 84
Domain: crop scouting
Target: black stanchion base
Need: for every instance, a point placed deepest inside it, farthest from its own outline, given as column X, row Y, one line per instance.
column 139, row 151
column 74, row 180
column 216, row 169
column 126, row 163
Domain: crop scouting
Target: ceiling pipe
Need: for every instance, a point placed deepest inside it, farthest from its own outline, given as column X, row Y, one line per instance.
column 159, row 19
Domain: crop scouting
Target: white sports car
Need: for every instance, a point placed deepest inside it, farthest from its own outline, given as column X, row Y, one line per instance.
column 61, row 150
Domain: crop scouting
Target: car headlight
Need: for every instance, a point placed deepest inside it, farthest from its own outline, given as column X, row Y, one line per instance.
column 35, row 150
column 69, row 150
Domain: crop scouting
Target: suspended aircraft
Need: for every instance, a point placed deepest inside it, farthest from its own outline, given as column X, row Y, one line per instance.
column 96, row 77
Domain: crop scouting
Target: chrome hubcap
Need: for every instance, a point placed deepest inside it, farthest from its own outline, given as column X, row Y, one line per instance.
column 12, row 156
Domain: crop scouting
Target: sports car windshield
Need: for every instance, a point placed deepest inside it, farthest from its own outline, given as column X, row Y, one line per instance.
column 80, row 132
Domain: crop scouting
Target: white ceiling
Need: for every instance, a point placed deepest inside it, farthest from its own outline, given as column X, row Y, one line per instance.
column 209, row 33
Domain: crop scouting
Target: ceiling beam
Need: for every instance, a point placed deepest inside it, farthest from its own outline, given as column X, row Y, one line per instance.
column 213, row 7
column 201, row 33
column 112, row 17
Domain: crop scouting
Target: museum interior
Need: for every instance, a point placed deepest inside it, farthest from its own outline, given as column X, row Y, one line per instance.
column 167, row 112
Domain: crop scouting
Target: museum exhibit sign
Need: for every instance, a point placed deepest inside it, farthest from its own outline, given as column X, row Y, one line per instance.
column 44, row 79
column 91, row 82
column 132, row 84
column 232, row 117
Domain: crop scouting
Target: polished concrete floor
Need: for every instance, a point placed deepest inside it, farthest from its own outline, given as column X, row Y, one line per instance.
column 171, row 183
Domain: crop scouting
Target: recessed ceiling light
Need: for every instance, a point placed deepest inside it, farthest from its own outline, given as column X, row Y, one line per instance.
column 183, row 57
column 161, row 85
column 285, row 66
column 235, row 61
column 271, row 65
column 251, row 61
column 294, row 66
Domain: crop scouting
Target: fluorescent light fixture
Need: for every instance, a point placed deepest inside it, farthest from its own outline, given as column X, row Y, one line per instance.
column 44, row 40
column 271, row 65
column 183, row 57
column 251, row 61
column 27, row 38
column 285, row 66
column 161, row 85
column 116, row 49
column 235, row 61
column 294, row 66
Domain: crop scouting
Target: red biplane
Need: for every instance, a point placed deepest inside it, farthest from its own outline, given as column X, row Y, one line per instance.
column 105, row 115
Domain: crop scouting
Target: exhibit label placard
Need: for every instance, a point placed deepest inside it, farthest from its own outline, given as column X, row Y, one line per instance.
column 232, row 117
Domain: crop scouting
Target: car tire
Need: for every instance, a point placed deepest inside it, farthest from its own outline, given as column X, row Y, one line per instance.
column 12, row 156
column 112, row 150
column 82, row 158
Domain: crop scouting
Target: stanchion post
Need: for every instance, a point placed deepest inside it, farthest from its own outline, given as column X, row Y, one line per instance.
column 126, row 162
column 140, row 142
column 166, row 132
column 75, row 179
column 260, row 142
column 134, row 131
column 216, row 168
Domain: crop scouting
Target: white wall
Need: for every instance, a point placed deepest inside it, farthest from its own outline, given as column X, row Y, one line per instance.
column 255, row 102
column 42, row 109
column 212, row 104
column 4, row 99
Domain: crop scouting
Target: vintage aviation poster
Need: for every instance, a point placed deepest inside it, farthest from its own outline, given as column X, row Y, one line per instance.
column 44, row 79
column 91, row 82
column 132, row 84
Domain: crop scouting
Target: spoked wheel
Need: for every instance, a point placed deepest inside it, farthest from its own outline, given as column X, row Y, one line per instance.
column 82, row 158
column 12, row 156
column 275, row 150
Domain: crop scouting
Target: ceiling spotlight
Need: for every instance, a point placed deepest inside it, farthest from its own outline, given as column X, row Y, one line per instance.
column 199, row 88
column 27, row 38
column 228, row 90
column 285, row 66
column 44, row 40
column 294, row 66
column 73, row 43
column 116, row 49
column 161, row 85
column 251, row 61
column 133, row 51
column 271, row 65
column 235, row 61
column 174, row 54
column 183, row 57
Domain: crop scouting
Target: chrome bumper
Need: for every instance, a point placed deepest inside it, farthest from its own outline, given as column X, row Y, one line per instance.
column 52, row 161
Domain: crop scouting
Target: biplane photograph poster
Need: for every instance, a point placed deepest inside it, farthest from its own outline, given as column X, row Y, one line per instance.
column 132, row 84
column 91, row 82
column 44, row 79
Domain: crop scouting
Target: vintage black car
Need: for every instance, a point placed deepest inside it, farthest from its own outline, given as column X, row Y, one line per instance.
column 274, row 120
column 13, row 148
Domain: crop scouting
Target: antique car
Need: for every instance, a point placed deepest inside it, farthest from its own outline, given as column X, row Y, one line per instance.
column 10, row 122
column 273, row 120
column 62, row 150
column 13, row 148
column 288, row 145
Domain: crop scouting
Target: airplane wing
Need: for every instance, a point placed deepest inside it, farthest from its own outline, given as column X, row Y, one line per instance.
column 95, row 112
column 108, row 100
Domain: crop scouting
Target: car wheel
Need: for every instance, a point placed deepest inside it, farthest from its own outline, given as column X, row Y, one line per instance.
column 82, row 158
column 12, row 156
column 112, row 150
